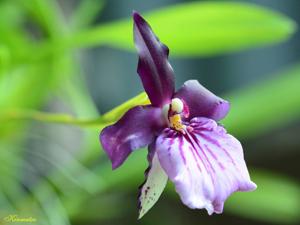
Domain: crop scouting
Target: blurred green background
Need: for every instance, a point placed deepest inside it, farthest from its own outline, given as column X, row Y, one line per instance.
column 65, row 64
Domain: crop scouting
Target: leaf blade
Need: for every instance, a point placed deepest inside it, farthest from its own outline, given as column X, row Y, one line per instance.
column 203, row 29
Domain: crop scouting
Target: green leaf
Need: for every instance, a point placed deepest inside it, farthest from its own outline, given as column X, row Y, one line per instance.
column 198, row 28
column 86, row 12
column 266, row 105
column 47, row 14
column 4, row 60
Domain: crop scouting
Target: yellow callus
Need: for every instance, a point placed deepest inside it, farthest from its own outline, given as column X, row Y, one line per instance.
column 176, row 123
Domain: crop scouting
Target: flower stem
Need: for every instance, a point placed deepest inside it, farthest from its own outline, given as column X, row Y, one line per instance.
column 105, row 119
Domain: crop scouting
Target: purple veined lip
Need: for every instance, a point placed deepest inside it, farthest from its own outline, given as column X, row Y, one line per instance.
column 186, row 145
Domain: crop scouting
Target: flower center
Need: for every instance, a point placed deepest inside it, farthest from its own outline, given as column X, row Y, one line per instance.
column 173, row 113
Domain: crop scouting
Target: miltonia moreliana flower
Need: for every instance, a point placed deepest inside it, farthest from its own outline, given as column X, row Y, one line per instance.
column 180, row 128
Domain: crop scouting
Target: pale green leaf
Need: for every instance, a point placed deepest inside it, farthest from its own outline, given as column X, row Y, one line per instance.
column 86, row 12
column 266, row 105
column 198, row 28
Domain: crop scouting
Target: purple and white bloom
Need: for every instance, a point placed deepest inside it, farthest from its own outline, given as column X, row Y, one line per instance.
column 180, row 128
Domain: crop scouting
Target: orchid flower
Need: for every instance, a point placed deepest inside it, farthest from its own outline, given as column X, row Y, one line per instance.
column 185, row 142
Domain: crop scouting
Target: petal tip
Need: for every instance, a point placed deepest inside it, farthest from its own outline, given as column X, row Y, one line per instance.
column 210, row 209
column 252, row 186
column 222, row 109
column 226, row 105
column 114, row 165
column 135, row 14
column 137, row 18
column 249, row 186
column 106, row 140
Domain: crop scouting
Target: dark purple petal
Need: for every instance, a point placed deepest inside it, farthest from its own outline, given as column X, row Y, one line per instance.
column 156, row 180
column 206, row 164
column 136, row 129
column 154, row 69
column 202, row 102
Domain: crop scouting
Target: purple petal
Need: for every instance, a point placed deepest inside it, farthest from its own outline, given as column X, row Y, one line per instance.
column 156, row 180
column 206, row 164
column 202, row 102
column 136, row 129
column 154, row 69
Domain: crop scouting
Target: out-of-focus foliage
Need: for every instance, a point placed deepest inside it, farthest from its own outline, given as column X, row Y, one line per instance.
column 276, row 193
column 37, row 66
column 266, row 105
column 200, row 28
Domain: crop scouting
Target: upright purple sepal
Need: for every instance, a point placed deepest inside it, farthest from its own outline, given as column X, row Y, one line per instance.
column 154, row 68
column 202, row 102
column 136, row 129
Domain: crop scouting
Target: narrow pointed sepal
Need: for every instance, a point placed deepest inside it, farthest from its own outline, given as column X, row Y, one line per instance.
column 154, row 68
column 152, row 188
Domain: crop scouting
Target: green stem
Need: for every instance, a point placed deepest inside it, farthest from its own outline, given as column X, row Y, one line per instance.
column 27, row 114
column 107, row 118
